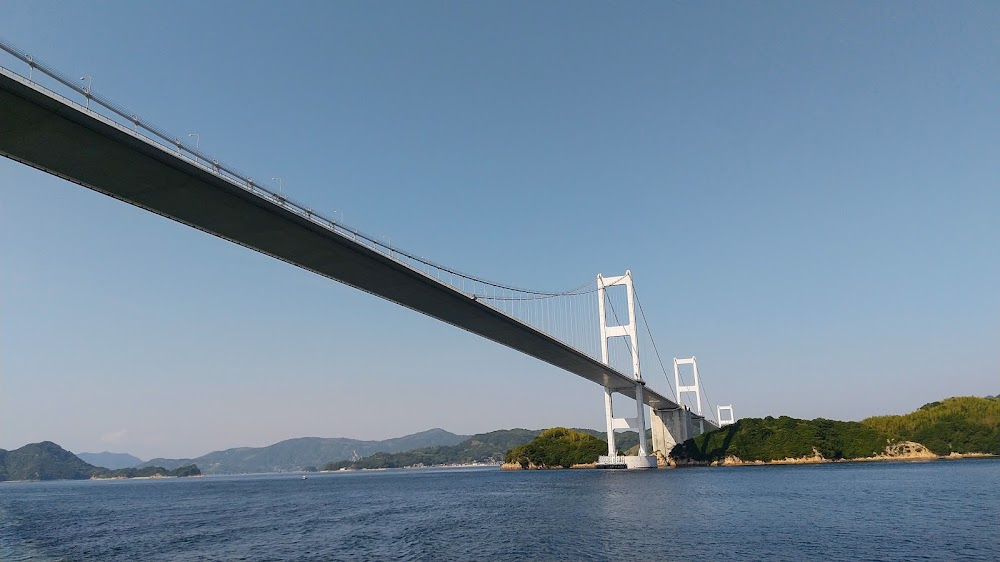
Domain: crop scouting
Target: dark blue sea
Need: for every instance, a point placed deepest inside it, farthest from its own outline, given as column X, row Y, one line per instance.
column 941, row 510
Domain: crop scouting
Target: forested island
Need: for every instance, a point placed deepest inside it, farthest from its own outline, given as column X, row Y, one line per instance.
column 557, row 448
column 148, row 472
column 48, row 461
column 951, row 427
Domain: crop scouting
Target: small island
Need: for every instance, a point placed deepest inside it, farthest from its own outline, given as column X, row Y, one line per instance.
column 147, row 472
column 556, row 448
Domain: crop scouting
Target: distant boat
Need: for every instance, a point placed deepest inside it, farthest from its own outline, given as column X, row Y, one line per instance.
column 305, row 477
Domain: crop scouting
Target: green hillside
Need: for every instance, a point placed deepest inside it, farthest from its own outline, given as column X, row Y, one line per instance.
column 43, row 461
column 965, row 424
column 770, row 439
column 961, row 425
column 558, row 447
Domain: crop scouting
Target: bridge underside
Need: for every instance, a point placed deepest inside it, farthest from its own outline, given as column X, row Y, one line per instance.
column 44, row 131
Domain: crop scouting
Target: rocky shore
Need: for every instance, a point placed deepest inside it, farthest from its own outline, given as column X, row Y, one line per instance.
column 899, row 451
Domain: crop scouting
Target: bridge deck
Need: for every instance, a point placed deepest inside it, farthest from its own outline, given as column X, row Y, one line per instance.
column 48, row 132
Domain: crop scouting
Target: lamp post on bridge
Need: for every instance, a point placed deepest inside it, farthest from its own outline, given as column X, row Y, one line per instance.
column 197, row 141
column 281, row 192
column 88, row 89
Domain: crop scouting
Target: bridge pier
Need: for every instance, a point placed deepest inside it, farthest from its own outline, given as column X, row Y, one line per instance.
column 671, row 427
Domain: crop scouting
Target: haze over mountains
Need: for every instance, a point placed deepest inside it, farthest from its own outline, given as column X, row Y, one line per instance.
column 298, row 454
column 110, row 460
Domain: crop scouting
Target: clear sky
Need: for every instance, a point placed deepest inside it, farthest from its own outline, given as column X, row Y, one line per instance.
column 806, row 193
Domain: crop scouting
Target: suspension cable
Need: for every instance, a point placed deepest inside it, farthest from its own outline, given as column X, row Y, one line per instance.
column 709, row 402
column 538, row 295
column 173, row 143
column 653, row 341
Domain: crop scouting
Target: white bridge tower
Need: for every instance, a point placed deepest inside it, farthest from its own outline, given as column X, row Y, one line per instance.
column 728, row 420
column 626, row 330
column 695, row 388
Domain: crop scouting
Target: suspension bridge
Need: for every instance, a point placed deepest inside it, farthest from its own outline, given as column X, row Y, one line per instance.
column 57, row 124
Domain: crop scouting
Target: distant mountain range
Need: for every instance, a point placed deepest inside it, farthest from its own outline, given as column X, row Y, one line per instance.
column 306, row 452
column 482, row 448
column 48, row 461
column 110, row 460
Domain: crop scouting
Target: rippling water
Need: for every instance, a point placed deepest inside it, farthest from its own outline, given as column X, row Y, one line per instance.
column 901, row 511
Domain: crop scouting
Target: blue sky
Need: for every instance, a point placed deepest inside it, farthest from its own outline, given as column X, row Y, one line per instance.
column 805, row 192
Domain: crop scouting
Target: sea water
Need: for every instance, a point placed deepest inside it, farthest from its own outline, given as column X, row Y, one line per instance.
column 940, row 510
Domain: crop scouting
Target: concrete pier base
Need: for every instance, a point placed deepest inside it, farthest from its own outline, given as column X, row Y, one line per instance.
column 670, row 427
column 626, row 461
column 640, row 461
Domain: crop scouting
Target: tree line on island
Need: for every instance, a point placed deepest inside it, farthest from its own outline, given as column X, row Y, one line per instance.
column 954, row 426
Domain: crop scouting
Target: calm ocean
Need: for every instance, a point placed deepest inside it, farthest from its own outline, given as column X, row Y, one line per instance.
column 944, row 510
